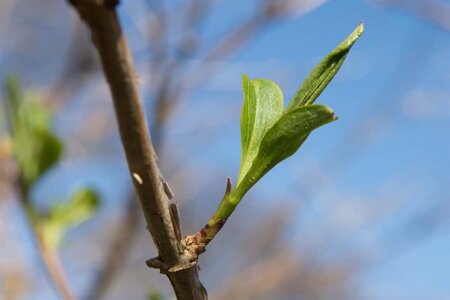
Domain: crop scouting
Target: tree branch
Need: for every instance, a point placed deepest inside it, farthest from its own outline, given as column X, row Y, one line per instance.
column 107, row 36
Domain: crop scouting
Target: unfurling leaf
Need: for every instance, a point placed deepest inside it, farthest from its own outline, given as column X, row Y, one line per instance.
column 282, row 140
column 263, row 106
column 324, row 72
column 269, row 135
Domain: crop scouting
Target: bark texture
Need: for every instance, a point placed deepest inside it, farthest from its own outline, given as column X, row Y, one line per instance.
column 173, row 260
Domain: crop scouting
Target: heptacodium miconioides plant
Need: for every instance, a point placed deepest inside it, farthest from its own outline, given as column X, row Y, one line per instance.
column 270, row 133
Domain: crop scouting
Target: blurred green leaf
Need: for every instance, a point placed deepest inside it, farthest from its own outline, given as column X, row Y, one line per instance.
column 263, row 106
column 324, row 72
column 80, row 208
column 281, row 141
column 36, row 147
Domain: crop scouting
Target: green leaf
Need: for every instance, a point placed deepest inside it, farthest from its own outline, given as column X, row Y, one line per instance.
column 36, row 147
column 263, row 106
column 324, row 72
column 80, row 208
column 50, row 151
column 281, row 141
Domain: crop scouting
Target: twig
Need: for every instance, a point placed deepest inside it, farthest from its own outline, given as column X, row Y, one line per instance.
column 112, row 47
column 240, row 36
column 120, row 246
column 186, row 46
column 53, row 267
column 47, row 253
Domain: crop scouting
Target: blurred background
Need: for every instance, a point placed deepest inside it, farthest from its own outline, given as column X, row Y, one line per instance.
column 361, row 212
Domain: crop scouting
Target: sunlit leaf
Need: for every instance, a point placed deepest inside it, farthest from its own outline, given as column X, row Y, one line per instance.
column 266, row 141
column 263, row 106
column 283, row 140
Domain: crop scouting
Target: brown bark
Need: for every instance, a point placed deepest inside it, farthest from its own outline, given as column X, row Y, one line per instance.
column 107, row 36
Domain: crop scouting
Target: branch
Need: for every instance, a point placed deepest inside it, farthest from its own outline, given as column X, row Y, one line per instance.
column 107, row 36
column 53, row 266
column 47, row 253
column 126, row 233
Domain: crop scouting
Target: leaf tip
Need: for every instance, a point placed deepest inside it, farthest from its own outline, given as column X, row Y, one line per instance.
column 354, row 36
column 348, row 43
column 331, row 116
column 360, row 27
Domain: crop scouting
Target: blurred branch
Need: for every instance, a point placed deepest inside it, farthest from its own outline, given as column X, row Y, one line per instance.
column 186, row 46
column 47, row 253
column 79, row 63
column 112, row 47
column 286, row 268
column 158, row 32
column 53, row 266
column 50, row 259
column 432, row 11
column 414, row 230
column 169, row 90
column 267, row 13
column 256, row 281
column 238, row 37
column 115, row 256
column 6, row 8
